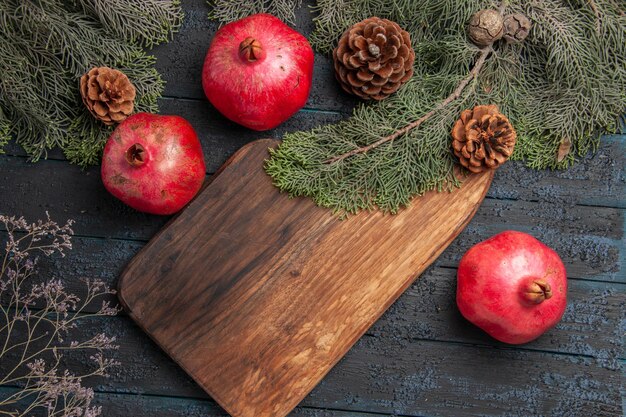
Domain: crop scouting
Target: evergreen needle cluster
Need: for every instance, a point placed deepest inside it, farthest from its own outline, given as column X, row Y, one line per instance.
column 4, row 130
column 229, row 10
column 566, row 80
column 47, row 45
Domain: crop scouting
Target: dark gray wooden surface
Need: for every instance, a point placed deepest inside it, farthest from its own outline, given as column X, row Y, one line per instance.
column 422, row 358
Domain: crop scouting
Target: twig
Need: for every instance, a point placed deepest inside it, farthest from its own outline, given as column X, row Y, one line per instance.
column 596, row 11
column 484, row 53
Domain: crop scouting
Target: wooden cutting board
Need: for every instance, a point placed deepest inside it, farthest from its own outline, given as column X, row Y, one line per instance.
column 257, row 296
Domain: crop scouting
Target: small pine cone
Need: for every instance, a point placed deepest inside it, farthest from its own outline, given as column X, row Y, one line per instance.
column 108, row 94
column 374, row 58
column 483, row 138
column 485, row 27
column 516, row 27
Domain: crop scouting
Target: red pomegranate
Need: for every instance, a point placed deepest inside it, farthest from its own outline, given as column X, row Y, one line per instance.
column 153, row 163
column 258, row 71
column 512, row 286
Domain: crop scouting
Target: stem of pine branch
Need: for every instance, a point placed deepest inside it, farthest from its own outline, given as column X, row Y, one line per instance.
column 480, row 62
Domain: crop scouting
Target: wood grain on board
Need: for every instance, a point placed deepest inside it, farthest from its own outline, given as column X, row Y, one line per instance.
column 257, row 295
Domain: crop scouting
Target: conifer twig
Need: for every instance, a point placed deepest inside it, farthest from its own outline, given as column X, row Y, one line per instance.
column 596, row 11
column 46, row 45
column 484, row 53
column 542, row 84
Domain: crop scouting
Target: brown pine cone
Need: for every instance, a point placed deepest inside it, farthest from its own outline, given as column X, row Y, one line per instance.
column 108, row 94
column 516, row 27
column 483, row 138
column 374, row 58
column 485, row 27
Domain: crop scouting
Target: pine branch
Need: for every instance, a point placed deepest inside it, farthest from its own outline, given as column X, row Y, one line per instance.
column 566, row 80
column 227, row 11
column 597, row 13
column 48, row 44
column 146, row 23
column 5, row 128
column 484, row 53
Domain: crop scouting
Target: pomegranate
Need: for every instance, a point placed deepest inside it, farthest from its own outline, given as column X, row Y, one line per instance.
column 153, row 163
column 258, row 71
column 512, row 286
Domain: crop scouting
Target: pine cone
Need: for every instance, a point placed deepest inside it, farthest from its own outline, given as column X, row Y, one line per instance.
column 108, row 94
column 516, row 27
column 374, row 58
column 483, row 138
column 485, row 27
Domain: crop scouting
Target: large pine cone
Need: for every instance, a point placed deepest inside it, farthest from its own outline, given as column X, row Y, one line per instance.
column 483, row 138
column 374, row 58
column 108, row 94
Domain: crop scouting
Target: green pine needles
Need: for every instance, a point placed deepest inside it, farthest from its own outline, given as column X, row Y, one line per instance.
column 5, row 126
column 230, row 10
column 48, row 44
column 567, row 80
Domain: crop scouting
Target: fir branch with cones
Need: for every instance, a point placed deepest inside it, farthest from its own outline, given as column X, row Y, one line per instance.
column 556, row 71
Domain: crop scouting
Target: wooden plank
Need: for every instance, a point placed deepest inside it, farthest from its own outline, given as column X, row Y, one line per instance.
column 392, row 373
column 257, row 296
column 66, row 191
column 590, row 326
column 90, row 258
column 427, row 310
column 597, row 180
column 150, row 406
column 589, row 239
column 412, row 378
